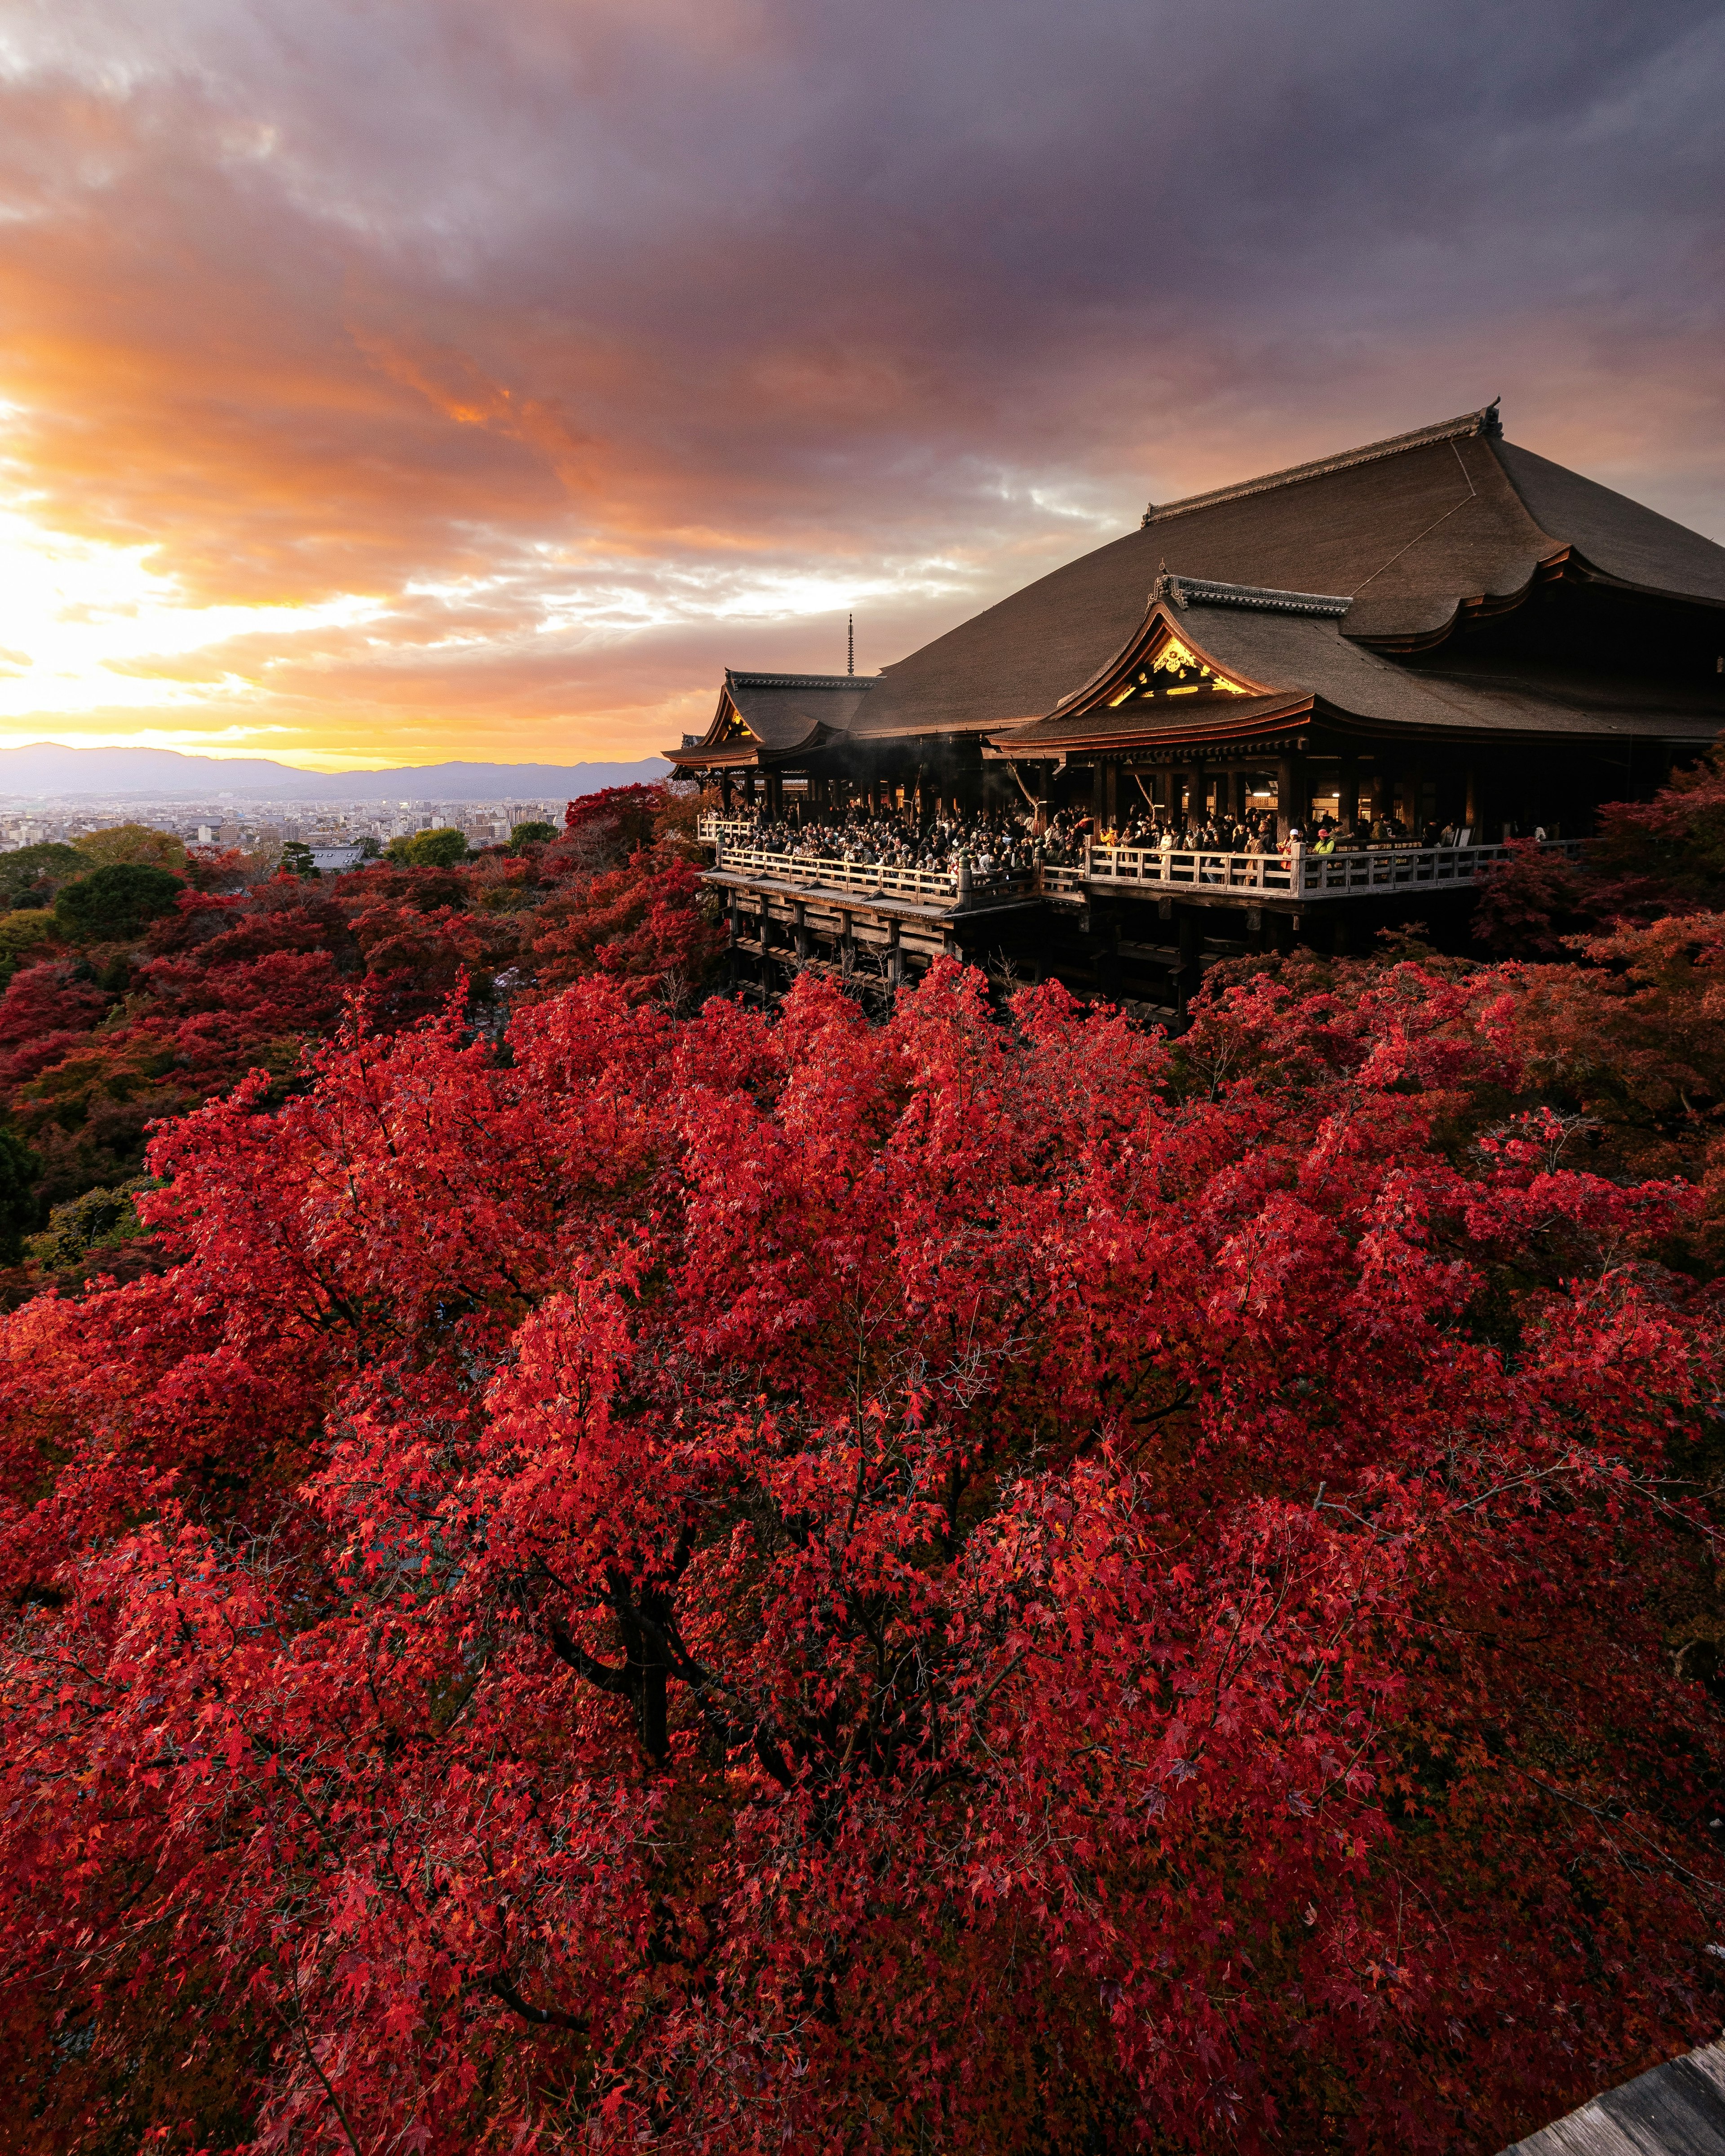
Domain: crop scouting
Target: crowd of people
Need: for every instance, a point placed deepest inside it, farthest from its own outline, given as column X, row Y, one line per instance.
column 1001, row 844
column 1256, row 832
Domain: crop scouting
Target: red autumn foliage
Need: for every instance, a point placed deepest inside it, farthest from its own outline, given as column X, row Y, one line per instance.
column 627, row 817
column 758, row 1584
column 247, row 972
column 639, row 924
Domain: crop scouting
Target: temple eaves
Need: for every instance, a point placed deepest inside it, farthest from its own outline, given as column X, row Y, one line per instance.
column 1260, row 598
column 734, row 679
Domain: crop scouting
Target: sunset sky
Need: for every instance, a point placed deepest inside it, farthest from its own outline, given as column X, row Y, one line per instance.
column 388, row 380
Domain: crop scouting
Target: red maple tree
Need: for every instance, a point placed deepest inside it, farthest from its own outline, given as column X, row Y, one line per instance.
column 755, row 1582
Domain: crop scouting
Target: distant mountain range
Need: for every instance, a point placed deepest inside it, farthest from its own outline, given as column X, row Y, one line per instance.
column 45, row 768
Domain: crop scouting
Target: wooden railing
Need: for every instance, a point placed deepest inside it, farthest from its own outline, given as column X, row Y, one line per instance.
column 1146, row 865
column 1053, row 882
column 939, row 884
column 1294, row 872
column 1297, row 872
column 1383, row 868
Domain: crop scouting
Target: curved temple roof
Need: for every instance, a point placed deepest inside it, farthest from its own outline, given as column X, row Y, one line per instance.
column 1295, row 652
column 775, row 713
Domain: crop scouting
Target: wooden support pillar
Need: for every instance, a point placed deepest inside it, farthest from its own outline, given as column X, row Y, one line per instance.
column 1347, row 794
column 895, row 956
column 799, row 930
column 1289, row 794
column 1108, row 961
column 766, row 923
column 734, row 966
column 748, row 785
column 1188, row 974
column 1381, row 783
column 725, row 792
column 1108, row 806
column 1416, row 802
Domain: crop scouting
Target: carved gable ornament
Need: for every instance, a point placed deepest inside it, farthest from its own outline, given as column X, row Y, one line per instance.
column 1173, row 668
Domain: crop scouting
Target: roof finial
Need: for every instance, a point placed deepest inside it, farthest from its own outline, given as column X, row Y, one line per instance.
column 1491, row 419
column 851, row 643
column 1165, row 585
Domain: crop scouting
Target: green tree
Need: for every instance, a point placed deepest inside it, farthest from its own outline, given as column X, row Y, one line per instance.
column 430, row 849
column 116, row 902
column 102, row 1219
column 532, row 834
column 296, row 860
column 31, row 876
column 19, row 1211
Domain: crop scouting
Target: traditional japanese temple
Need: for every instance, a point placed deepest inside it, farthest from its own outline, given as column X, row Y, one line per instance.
column 1441, row 627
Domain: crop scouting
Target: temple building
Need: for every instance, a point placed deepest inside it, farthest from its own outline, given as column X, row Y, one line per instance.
column 1441, row 629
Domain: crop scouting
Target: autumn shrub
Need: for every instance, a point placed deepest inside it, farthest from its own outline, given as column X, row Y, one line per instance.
column 679, row 815
column 120, row 842
column 22, row 932
column 641, row 924
column 771, row 1583
column 1528, row 906
column 602, row 830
